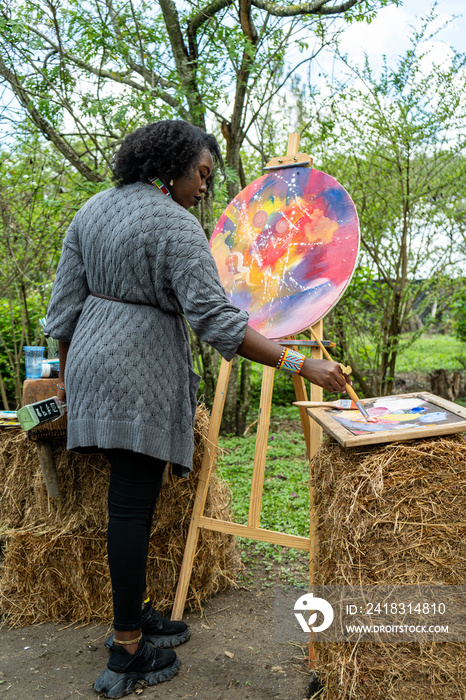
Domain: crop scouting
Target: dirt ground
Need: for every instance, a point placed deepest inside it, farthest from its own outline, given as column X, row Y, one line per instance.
column 231, row 655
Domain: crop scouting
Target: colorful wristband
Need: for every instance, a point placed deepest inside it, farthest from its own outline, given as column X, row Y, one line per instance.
column 291, row 361
column 280, row 359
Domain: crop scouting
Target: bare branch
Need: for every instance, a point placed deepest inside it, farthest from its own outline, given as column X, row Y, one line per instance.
column 136, row 24
column 316, row 7
column 172, row 23
column 185, row 64
column 245, row 18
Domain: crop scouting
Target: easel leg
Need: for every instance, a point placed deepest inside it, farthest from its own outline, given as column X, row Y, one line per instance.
column 258, row 472
column 315, row 442
column 316, row 394
column 301, row 395
column 201, row 493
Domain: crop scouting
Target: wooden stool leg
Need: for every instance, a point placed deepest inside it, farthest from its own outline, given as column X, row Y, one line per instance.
column 201, row 493
column 49, row 470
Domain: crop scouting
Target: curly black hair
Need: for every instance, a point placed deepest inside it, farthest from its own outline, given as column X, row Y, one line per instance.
column 165, row 149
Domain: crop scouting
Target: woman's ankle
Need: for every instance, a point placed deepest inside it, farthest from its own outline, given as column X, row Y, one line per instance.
column 128, row 640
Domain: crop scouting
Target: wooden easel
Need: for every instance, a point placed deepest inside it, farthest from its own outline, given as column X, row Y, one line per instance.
column 312, row 435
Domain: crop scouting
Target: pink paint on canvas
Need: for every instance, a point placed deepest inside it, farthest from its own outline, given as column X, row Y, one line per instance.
column 286, row 248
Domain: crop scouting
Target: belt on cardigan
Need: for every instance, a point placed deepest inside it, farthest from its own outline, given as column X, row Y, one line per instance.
column 122, row 301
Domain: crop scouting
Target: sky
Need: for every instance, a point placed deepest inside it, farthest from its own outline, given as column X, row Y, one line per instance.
column 389, row 33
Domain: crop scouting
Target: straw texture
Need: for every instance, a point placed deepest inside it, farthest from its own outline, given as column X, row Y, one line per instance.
column 392, row 514
column 55, row 560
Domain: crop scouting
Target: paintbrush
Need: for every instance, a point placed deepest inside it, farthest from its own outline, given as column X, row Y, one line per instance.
column 341, row 404
column 349, row 388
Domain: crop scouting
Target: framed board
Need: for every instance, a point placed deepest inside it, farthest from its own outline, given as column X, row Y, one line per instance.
column 398, row 418
column 286, row 248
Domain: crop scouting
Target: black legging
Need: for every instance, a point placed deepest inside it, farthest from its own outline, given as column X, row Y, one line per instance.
column 135, row 481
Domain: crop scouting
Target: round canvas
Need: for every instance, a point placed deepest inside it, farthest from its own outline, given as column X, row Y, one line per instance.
column 286, row 248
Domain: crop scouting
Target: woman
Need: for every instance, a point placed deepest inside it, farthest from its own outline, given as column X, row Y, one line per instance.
column 134, row 263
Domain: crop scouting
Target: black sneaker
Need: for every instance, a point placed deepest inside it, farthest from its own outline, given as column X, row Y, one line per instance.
column 160, row 631
column 124, row 670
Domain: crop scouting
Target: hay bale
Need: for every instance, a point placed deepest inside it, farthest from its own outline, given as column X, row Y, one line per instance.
column 402, row 671
column 392, row 514
column 55, row 577
column 24, row 502
column 42, row 536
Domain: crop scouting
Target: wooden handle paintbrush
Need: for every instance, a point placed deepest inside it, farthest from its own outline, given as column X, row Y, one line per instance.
column 340, row 404
column 349, row 388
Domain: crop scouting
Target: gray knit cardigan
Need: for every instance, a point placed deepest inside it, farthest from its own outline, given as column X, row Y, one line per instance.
column 129, row 377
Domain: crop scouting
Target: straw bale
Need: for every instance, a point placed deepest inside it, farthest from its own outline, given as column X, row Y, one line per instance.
column 42, row 536
column 389, row 671
column 392, row 514
column 55, row 577
column 24, row 503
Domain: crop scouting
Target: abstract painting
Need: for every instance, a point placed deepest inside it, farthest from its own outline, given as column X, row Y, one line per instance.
column 286, row 248
column 404, row 417
column 393, row 413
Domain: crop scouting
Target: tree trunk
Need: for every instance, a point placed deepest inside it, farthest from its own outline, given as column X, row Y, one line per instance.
column 6, row 405
column 244, row 396
column 229, row 419
column 238, row 398
column 445, row 384
column 210, row 364
column 206, row 363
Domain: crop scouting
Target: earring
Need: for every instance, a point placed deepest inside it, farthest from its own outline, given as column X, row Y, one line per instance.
column 171, row 183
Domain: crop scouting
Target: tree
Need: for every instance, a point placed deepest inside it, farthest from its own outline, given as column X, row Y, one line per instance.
column 397, row 141
column 101, row 66
column 87, row 74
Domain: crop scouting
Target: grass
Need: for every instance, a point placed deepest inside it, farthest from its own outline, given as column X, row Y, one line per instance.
column 285, row 500
column 285, row 503
column 429, row 352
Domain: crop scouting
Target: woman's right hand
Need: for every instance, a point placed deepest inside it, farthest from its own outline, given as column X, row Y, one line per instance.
column 325, row 373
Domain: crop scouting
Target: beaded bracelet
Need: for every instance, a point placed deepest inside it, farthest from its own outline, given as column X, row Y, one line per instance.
column 60, row 387
column 291, row 361
column 279, row 363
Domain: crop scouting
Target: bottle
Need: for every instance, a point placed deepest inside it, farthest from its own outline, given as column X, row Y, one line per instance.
column 49, row 369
